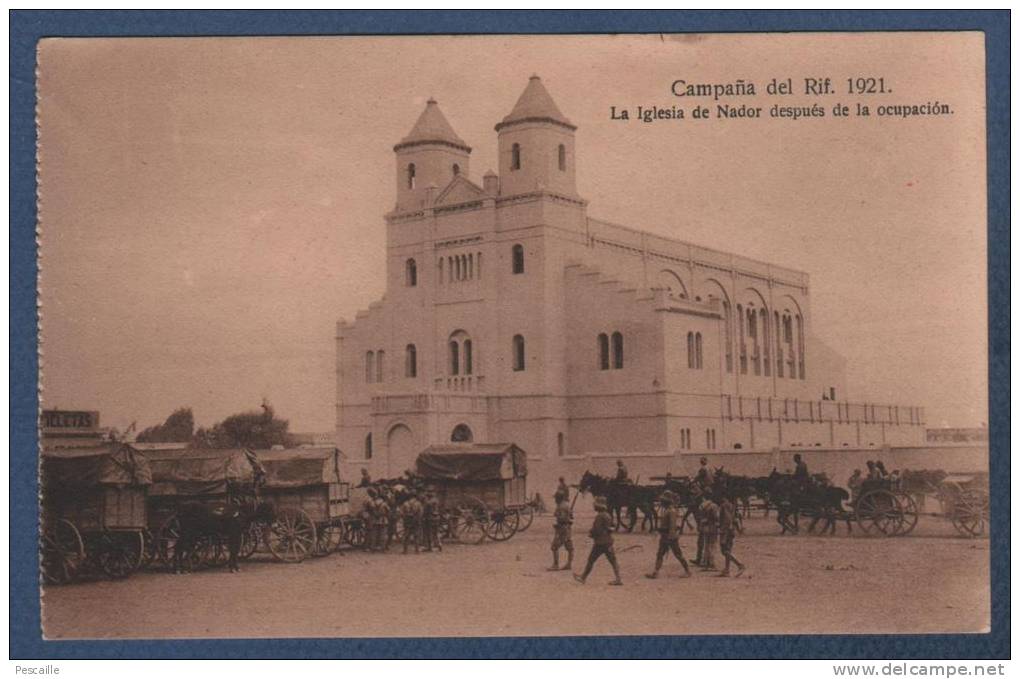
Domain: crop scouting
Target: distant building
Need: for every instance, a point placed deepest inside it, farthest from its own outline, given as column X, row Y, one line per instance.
column 71, row 429
column 956, row 434
column 313, row 439
column 511, row 315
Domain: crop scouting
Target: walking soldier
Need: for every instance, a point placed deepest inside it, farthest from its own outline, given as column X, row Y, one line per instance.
column 602, row 533
column 411, row 512
column 727, row 534
column 561, row 532
column 669, row 535
column 708, row 532
column 430, row 522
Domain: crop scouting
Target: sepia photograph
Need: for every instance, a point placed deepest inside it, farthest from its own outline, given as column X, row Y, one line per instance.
column 456, row 336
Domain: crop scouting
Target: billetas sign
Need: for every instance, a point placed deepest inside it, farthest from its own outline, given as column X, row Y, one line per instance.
column 69, row 419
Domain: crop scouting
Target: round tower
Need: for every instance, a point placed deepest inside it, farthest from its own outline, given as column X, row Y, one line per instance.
column 431, row 155
column 536, row 145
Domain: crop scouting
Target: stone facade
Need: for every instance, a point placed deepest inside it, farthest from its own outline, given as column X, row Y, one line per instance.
column 510, row 315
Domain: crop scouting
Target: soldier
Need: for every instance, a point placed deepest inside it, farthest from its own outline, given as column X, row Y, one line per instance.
column 381, row 521
column 708, row 532
column 562, row 488
column 873, row 473
column 366, row 479
column 669, row 536
column 622, row 475
column 561, row 532
column 430, row 522
column 854, row 484
column 368, row 519
column 411, row 512
column 602, row 533
column 800, row 473
column 390, row 496
column 727, row 534
column 703, row 477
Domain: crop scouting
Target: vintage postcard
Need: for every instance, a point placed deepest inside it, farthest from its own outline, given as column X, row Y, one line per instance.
column 473, row 336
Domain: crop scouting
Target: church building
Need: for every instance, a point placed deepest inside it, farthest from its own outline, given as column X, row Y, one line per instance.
column 511, row 315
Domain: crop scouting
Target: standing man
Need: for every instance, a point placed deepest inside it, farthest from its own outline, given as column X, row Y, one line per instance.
column 669, row 536
column 800, row 472
column 368, row 519
column 561, row 531
column 602, row 533
column 703, row 477
column 708, row 526
column 562, row 488
column 381, row 517
column 430, row 522
column 622, row 475
column 727, row 534
column 411, row 511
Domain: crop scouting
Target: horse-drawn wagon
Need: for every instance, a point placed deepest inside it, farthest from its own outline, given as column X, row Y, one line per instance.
column 93, row 512
column 892, row 508
column 311, row 501
column 481, row 488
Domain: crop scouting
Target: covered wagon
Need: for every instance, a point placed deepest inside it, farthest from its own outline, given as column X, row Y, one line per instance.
column 481, row 487
column 93, row 511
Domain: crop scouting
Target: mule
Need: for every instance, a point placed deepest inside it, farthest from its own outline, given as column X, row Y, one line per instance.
column 225, row 521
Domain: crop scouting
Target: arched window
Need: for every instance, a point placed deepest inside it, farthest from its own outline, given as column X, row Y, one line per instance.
column 454, row 358
column 690, row 350
column 410, row 361
column 368, row 446
column 440, row 269
column 411, row 273
column 752, row 332
column 468, row 358
column 461, row 434
column 603, row 351
column 518, row 258
column 379, row 369
column 617, row 350
column 515, row 157
column 518, row 352
column 369, row 366
column 563, row 158
column 800, row 346
column 728, row 334
column 698, row 363
column 742, row 347
column 560, row 444
column 456, row 169
column 766, row 342
column 779, row 345
column 410, row 176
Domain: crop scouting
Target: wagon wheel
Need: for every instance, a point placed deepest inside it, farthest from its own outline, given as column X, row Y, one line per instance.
column 879, row 513
column 291, row 536
column 502, row 524
column 328, row 538
column 471, row 518
column 910, row 513
column 118, row 555
column 970, row 513
column 527, row 514
column 63, row 552
column 354, row 533
column 213, row 551
column 166, row 539
column 250, row 540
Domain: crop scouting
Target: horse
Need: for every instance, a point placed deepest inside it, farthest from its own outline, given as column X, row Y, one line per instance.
column 792, row 497
column 218, row 520
column 624, row 496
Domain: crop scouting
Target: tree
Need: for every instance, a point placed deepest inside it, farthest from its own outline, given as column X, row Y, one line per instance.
column 179, row 427
column 250, row 429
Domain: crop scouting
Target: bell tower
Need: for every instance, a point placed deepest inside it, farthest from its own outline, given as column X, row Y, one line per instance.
column 536, row 145
column 431, row 155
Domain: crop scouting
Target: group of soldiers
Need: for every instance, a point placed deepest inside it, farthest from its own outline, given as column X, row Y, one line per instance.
column 407, row 502
column 716, row 517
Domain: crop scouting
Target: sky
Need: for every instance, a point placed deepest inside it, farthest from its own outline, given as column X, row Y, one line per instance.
column 209, row 208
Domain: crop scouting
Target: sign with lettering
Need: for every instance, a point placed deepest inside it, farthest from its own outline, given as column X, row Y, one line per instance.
column 70, row 419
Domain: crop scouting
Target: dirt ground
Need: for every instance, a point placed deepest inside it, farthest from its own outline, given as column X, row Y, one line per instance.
column 931, row 581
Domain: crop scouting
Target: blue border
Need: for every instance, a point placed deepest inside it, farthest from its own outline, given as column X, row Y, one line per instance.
column 27, row 27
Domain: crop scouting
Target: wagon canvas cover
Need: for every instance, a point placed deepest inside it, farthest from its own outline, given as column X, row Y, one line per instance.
column 473, row 462
column 300, row 467
column 119, row 465
column 203, row 471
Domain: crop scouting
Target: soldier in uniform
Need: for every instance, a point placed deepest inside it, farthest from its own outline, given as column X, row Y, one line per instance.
column 411, row 511
column 800, row 472
column 561, row 532
column 622, row 475
column 703, row 477
column 366, row 479
column 368, row 519
column 381, row 521
column 854, row 484
column 430, row 522
column 727, row 534
column 708, row 532
column 390, row 497
column 602, row 533
column 669, row 536
column 562, row 488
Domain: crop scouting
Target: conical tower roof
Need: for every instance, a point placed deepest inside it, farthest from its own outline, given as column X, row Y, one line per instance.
column 432, row 128
column 535, row 105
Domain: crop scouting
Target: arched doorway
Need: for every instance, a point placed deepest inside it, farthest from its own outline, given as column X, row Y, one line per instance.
column 461, row 434
column 401, row 450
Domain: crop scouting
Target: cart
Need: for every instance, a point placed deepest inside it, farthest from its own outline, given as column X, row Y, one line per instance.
column 481, row 488
column 93, row 512
column 893, row 508
column 312, row 502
